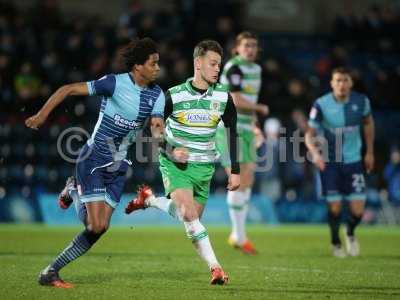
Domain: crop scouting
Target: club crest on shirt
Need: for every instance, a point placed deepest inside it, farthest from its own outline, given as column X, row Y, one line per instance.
column 354, row 107
column 214, row 105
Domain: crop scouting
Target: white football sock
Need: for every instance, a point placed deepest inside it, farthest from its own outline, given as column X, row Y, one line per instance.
column 247, row 195
column 73, row 193
column 246, row 199
column 238, row 211
column 199, row 236
column 164, row 204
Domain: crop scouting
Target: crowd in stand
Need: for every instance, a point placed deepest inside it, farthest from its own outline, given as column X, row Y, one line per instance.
column 41, row 49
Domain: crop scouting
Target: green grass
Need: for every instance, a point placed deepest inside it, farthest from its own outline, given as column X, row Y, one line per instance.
column 159, row 263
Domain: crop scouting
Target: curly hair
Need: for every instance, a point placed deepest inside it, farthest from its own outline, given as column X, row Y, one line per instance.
column 137, row 52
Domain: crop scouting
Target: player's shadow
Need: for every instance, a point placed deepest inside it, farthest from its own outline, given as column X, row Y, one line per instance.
column 133, row 274
column 97, row 254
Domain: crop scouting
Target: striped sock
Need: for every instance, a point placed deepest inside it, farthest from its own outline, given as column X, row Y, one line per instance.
column 199, row 236
column 79, row 246
column 164, row 204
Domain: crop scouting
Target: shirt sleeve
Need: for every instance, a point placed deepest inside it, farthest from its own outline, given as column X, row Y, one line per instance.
column 158, row 108
column 367, row 108
column 168, row 105
column 230, row 118
column 315, row 117
column 235, row 78
column 105, row 86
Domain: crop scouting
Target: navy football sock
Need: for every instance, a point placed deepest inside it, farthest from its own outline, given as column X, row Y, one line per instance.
column 352, row 223
column 79, row 246
column 334, row 224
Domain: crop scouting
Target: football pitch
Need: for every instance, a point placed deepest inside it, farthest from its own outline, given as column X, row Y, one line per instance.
column 160, row 263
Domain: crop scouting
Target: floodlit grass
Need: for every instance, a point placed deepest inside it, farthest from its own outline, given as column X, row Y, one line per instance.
column 160, row 263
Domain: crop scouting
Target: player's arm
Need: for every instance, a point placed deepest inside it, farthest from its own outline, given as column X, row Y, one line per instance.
column 310, row 140
column 157, row 117
column 242, row 103
column 74, row 89
column 178, row 154
column 230, row 118
column 311, row 134
column 369, row 137
column 104, row 86
column 235, row 78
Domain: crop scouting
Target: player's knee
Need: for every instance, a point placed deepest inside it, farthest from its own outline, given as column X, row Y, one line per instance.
column 335, row 210
column 357, row 213
column 106, row 225
column 190, row 217
column 335, row 213
column 250, row 180
column 189, row 214
column 246, row 181
column 98, row 227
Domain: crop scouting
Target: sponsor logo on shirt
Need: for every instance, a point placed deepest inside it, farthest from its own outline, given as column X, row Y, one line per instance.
column 249, row 89
column 128, row 124
column 198, row 118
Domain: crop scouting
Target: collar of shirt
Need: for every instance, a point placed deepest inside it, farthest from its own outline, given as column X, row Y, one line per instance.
column 195, row 91
column 141, row 88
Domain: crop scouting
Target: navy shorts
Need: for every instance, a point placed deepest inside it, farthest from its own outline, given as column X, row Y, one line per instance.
column 97, row 182
column 343, row 181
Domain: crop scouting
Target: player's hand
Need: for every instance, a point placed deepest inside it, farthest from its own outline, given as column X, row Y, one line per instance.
column 259, row 137
column 318, row 161
column 180, row 154
column 35, row 121
column 233, row 182
column 263, row 109
column 369, row 162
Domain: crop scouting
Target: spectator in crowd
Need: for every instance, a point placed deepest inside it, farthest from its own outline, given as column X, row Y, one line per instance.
column 41, row 48
column 269, row 171
column 392, row 176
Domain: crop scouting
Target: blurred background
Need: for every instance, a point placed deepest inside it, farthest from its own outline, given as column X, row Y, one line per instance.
column 45, row 44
